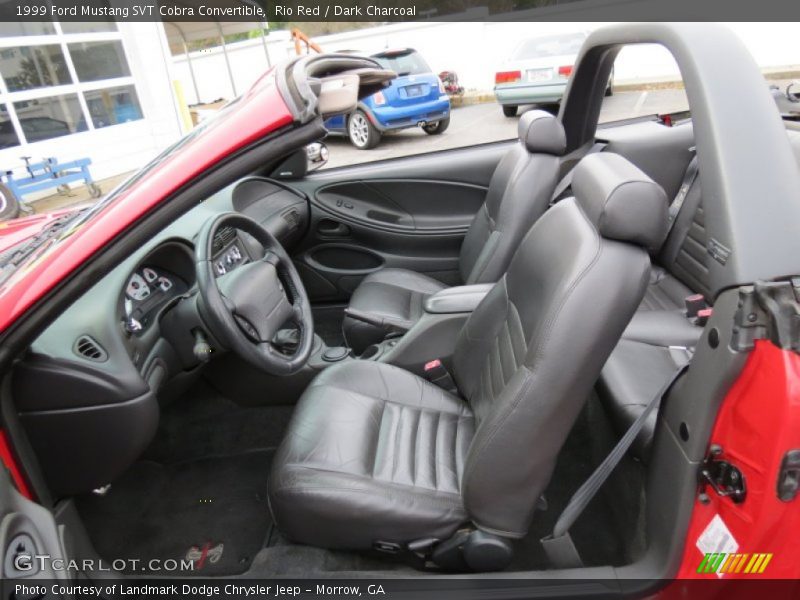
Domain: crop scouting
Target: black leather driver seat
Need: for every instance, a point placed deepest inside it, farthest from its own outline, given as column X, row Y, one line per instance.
column 377, row 454
column 519, row 193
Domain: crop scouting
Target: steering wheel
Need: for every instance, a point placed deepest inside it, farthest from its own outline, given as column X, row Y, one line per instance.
column 246, row 307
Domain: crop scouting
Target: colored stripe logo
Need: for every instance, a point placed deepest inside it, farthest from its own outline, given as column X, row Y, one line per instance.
column 727, row 563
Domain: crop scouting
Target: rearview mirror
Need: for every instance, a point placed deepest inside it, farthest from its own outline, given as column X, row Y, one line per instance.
column 317, row 154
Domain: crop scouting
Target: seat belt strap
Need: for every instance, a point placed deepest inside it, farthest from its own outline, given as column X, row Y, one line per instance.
column 689, row 178
column 566, row 180
column 559, row 546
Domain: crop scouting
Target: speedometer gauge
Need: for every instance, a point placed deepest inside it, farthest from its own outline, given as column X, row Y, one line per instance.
column 137, row 288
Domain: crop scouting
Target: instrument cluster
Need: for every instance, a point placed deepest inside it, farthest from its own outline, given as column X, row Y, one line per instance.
column 146, row 292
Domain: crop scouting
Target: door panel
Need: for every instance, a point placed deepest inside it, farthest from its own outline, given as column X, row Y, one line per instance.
column 410, row 212
column 403, row 204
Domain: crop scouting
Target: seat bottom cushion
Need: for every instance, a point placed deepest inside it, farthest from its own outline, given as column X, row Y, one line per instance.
column 372, row 453
column 665, row 292
column 633, row 374
column 663, row 328
column 659, row 339
column 393, row 295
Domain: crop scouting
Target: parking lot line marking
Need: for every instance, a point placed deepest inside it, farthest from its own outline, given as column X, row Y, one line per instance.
column 639, row 102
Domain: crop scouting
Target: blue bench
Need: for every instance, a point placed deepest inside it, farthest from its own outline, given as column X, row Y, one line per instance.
column 49, row 173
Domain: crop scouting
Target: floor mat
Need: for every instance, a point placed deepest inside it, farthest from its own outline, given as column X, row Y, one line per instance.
column 210, row 510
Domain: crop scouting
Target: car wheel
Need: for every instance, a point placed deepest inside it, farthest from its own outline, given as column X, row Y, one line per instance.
column 361, row 132
column 9, row 205
column 438, row 127
column 510, row 111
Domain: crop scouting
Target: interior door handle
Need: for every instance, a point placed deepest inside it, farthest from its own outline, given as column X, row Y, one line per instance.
column 329, row 228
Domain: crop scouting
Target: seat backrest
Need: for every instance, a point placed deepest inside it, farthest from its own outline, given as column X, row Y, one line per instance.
column 529, row 355
column 684, row 253
column 519, row 193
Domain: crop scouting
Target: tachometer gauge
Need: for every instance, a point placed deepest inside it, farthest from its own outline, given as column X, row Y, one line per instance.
column 137, row 288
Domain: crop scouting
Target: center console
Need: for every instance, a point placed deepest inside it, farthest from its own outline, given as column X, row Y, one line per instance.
column 432, row 336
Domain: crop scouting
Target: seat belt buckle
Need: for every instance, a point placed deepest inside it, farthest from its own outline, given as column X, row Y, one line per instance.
column 694, row 304
column 437, row 374
column 703, row 316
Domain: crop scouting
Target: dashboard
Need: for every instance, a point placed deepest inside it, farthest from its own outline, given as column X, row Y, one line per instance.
column 128, row 334
column 129, row 338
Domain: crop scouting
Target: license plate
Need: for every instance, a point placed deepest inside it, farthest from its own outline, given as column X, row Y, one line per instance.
column 540, row 74
column 413, row 91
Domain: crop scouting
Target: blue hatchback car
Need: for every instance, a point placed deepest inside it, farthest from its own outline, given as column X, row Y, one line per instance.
column 416, row 98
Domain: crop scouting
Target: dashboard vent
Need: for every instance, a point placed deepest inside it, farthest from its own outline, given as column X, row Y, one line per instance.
column 223, row 237
column 292, row 218
column 88, row 347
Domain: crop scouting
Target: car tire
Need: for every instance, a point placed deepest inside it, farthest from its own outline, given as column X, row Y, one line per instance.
column 362, row 133
column 9, row 204
column 510, row 111
column 438, row 127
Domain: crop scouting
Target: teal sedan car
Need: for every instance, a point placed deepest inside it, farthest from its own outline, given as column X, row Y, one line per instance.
column 538, row 71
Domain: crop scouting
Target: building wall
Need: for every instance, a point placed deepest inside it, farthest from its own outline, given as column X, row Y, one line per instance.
column 116, row 148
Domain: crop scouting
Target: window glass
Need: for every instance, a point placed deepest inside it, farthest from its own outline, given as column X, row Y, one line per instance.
column 403, row 63
column 99, row 60
column 646, row 81
column 9, row 29
column 94, row 27
column 30, row 67
column 8, row 137
column 47, row 118
column 551, row 45
column 111, row 106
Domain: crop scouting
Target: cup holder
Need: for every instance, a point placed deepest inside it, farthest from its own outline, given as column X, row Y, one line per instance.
column 335, row 354
column 371, row 352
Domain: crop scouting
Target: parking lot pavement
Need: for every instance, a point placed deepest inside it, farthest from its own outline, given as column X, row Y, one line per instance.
column 482, row 123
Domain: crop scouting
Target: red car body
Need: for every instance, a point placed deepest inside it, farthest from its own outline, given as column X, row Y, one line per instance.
column 759, row 418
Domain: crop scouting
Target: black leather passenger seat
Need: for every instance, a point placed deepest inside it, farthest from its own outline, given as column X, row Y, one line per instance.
column 519, row 193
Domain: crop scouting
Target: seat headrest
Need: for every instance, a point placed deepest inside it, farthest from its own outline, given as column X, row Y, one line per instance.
column 622, row 202
column 541, row 132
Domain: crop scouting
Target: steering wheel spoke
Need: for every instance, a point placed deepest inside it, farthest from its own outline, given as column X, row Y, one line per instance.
column 272, row 258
